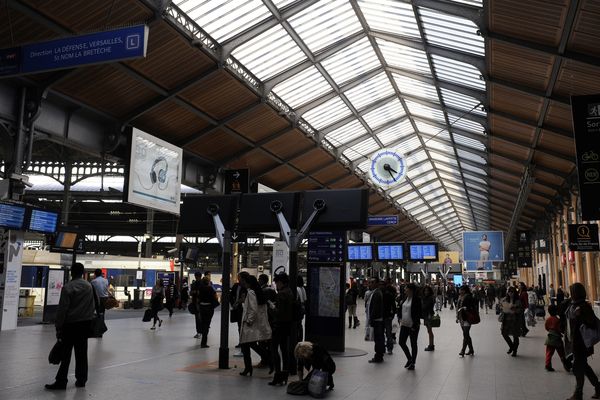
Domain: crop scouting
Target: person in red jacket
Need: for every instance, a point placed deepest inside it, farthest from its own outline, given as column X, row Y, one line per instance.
column 523, row 297
column 554, row 340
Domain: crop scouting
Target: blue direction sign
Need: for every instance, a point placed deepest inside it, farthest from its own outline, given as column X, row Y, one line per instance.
column 94, row 48
column 383, row 220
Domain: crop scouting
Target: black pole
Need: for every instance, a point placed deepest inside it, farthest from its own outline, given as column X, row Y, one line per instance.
column 224, row 346
column 293, row 262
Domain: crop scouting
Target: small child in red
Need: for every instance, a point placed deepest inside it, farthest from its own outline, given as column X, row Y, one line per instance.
column 554, row 339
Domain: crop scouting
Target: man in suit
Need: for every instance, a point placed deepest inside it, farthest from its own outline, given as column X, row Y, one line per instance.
column 73, row 327
column 376, row 319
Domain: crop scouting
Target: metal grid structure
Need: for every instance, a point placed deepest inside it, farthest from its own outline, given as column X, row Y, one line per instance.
column 364, row 74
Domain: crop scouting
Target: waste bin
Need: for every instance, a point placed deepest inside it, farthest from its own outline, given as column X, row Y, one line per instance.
column 138, row 298
column 26, row 303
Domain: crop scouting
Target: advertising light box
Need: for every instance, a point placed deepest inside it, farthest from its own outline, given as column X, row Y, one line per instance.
column 483, row 246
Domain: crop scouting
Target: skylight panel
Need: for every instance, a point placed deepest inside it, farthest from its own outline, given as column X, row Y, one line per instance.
column 325, row 22
column 270, row 53
column 424, row 111
column 472, row 168
column 224, row 19
column 346, row 133
column 448, row 158
column 466, row 141
column 457, row 72
column 388, row 112
column 370, row 91
column 363, row 149
column 390, row 16
column 471, row 157
column 352, row 61
column 413, row 159
column 408, row 197
column 404, row 57
column 434, row 144
column 424, row 178
column 451, row 32
column 364, row 166
column 416, row 88
column 462, row 102
column 465, row 124
column 429, row 129
column 303, row 87
column 410, row 144
column 396, row 132
column 327, row 113
column 283, row 3
column 419, row 209
column 475, row 177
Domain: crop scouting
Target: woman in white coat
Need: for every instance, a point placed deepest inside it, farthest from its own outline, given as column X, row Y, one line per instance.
column 255, row 322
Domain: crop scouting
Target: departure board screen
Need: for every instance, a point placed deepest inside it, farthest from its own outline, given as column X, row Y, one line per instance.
column 390, row 251
column 12, row 216
column 363, row 252
column 43, row 221
column 423, row 251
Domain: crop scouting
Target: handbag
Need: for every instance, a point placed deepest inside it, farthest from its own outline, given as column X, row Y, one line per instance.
column 472, row 317
column 297, row 388
column 111, row 302
column 97, row 327
column 317, row 384
column 501, row 317
column 590, row 335
column 435, row 321
column 192, row 308
column 147, row 315
column 56, row 353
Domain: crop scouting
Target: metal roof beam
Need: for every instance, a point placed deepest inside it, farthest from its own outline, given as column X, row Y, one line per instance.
column 482, row 120
column 527, row 90
column 466, row 11
column 551, row 129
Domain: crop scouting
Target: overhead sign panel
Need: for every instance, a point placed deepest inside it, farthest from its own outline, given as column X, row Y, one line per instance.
column 586, row 128
column 583, row 237
column 374, row 220
column 154, row 179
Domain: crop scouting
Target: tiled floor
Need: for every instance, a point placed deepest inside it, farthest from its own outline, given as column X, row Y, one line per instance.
column 133, row 362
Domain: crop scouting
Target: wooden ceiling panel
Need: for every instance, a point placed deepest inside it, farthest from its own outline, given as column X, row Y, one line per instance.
column 544, row 189
column 279, row 176
column 220, row 96
column 499, row 162
column 374, row 198
column 537, row 20
column 312, row 159
column 507, row 62
column 305, row 184
column 548, row 177
column 515, row 102
column 217, row 145
column 289, row 144
column 171, row 122
column 351, row 181
column 330, row 173
column 549, row 161
column 539, row 199
column 501, row 175
column 507, row 149
column 21, row 30
column 171, row 60
column 256, row 160
column 109, row 89
column 576, row 79
column 559, row 115
column 510, row 129
column 586, row 31
column 260, row 123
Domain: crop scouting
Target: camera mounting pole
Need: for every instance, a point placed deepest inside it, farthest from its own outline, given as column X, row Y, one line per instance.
column 224, row 238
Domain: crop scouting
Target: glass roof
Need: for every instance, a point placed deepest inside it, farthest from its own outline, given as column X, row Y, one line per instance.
column 362, row 75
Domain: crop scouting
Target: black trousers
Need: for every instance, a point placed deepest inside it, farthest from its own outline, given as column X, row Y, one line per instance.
column 257, row 347
column 379, row 338
column 467, row 341
column 413, row 334
column 74, row 336
column 281, row 341
column 206, row 313
column 512, row 344
column 581, row 369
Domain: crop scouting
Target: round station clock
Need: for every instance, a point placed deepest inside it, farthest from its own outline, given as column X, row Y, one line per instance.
column 388, row 168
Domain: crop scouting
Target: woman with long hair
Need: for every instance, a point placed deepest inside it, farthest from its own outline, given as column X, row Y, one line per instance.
column 511, row 320
column 156, row 302
column 282, row 329
column 255, row 322
column 466, row 304
column 428, row 302
column 409, row 315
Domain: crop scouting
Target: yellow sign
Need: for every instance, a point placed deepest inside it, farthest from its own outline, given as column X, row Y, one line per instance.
column 448, row 257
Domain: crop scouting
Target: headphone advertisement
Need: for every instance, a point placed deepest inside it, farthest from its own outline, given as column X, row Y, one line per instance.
column 154, row 173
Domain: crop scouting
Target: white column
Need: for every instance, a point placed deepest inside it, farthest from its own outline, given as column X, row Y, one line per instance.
column 11, row 256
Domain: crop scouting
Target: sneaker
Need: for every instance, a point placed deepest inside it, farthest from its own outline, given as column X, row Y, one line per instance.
column 411, row 367
column 549, row 368
column 56, row 386
column 238, row 354
column 375, row 360
column 196, row 336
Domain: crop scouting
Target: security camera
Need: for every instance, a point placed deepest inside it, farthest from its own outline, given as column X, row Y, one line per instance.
column 213, row 209
column 319, row 205
column 276, row 206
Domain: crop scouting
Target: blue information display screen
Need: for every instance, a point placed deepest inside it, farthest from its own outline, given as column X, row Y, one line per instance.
column 360, row 253
column 11, row 216
column 423, row 251
column 43, row 221
column 390, row 252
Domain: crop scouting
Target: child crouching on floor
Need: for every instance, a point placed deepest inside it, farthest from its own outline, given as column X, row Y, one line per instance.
column 554, row 340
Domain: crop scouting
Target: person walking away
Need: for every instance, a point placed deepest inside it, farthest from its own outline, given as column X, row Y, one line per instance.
column 73, row 324
column 185, row 294
column 491, row 296
column 451, row 293
column 481, row 296
column 282, row 324
column 255, row 322
column 207, row 302
column 554, row 339
column 195, row 291
column 466, row 304
column 101, row 286
column 511, row 320
column 367, row 297
column 524, row 297
column 350, row 298
column 409, row 317
column 427, row 307
column 170, row 298
column 375, row 306
column 270, row 296
column 389, row 311
column 580, row 313
column 238, row 294
column 156, row 302
column 560, row 296
column 313, row 356
column 302, row 300
column 532, row 301
column 552, row 294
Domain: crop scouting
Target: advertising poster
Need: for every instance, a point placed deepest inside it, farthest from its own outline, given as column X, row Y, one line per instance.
column 56, row 279
column 281, row 257
column 154, row 179
column 13, row 254
column 483, row 246
column 329, row 292
column 448, row 257
column 479, row 266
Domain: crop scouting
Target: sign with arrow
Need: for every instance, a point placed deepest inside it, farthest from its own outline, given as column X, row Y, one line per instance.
column 237, row 181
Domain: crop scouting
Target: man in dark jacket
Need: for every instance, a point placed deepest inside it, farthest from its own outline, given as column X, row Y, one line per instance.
column 524, row 298
column 389, row 311
column 376, row 319
column 73, row 327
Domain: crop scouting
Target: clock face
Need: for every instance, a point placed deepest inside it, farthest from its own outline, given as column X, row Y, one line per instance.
column 387, row 168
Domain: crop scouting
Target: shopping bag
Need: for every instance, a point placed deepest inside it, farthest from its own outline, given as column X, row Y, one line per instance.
column 97, row 327
column 590, row 335
column 317, row 384
column 147, row 315
column 56, row 353
column 298, row 388
column 435, row 321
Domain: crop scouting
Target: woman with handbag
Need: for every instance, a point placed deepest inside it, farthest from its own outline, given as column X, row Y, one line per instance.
column 510, row 317
column 465, row 309
column 428, row 302
column 156, row 302
column 409, row 316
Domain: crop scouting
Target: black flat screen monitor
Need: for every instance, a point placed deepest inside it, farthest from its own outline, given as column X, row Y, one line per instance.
column 390, row 251
column 426, row 251
column 42, row 221
column 345, row 209
column 256, row 214
column 195, row 219
column 12, row 216
column 360, row 252
column 191, row 254
column 65, row 241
